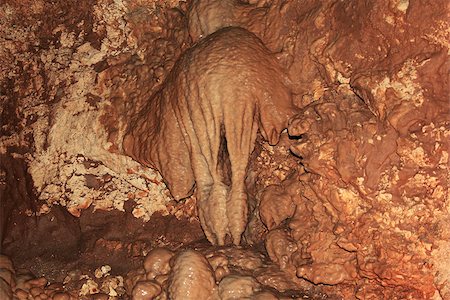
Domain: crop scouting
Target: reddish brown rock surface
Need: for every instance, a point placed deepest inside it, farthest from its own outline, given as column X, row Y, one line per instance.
column 353, row 199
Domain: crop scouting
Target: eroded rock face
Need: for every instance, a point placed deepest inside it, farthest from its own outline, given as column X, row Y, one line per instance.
column 217, row 97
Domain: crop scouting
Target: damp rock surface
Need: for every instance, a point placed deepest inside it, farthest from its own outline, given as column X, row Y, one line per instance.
column 351, row 203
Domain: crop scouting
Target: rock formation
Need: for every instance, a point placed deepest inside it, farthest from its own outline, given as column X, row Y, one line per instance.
column 209, row 110
column 351, row 203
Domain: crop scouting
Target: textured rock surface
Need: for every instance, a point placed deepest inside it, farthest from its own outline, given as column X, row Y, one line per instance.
column 216, row 98
column 192, row 277
column 54, row 121
column 362, row 205
column 381, row 162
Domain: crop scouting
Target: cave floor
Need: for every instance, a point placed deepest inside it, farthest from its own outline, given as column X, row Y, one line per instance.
column 71, row 251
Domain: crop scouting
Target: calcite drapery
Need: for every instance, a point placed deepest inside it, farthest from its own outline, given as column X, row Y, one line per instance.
column 217, row 96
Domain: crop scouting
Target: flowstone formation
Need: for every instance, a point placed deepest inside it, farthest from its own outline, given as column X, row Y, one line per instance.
column 206, row 117
column 351, row 203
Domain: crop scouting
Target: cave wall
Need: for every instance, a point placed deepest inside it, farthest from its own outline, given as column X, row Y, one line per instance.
column 52, row 105
column 364, row 202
